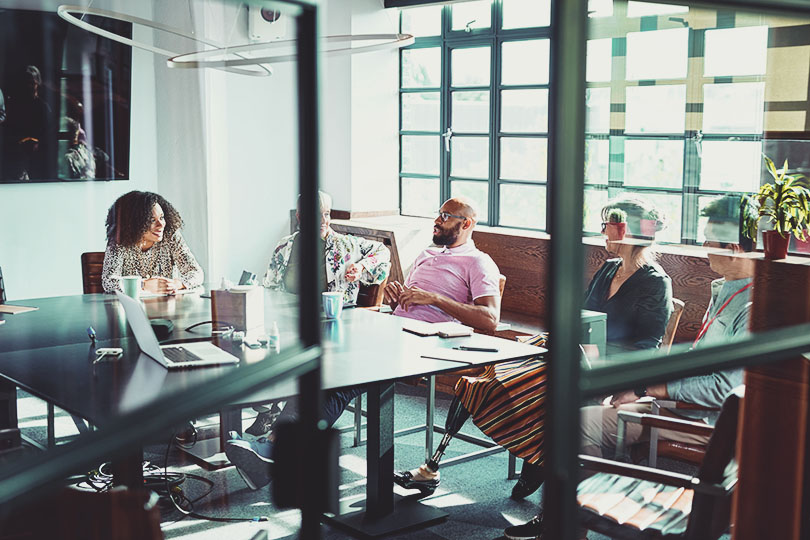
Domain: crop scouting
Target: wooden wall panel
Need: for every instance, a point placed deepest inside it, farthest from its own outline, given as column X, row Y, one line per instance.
column 524, row 262
column 772, row 447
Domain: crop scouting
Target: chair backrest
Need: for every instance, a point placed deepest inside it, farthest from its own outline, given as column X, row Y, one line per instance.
column 92, row 263
column 720, row 450
column 672, row 325
column 2, row 288
column 371, row 295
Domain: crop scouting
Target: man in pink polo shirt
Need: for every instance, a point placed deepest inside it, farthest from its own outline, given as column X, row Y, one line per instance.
column 451, row 280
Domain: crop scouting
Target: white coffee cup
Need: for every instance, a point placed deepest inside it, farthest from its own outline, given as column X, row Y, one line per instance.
column 131, row 285
column 332, row 304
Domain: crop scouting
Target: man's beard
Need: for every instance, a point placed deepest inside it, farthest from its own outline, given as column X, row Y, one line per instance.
column 448, row 237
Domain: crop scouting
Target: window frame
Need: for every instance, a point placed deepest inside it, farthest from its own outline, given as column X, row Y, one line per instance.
column 449, row 40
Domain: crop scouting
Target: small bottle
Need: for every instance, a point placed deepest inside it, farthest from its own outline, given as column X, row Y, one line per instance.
column 274, row 339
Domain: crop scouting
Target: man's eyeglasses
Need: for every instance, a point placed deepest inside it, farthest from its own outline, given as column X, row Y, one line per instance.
column 444, row 216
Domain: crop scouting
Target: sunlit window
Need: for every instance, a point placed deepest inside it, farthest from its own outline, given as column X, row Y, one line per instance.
column 658, row 54
column 474, row 109
column 647, row 9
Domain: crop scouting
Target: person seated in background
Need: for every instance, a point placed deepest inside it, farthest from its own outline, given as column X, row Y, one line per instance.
column 143, row 239
column 726, row 319
column 79, row 158
column 350, row 260
column 451, row 280
column 507, row 402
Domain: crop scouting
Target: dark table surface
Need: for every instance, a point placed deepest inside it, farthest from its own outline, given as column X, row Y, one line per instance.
column 47, row 352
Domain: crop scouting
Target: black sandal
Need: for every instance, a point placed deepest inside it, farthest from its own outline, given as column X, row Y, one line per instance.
column 426, row 487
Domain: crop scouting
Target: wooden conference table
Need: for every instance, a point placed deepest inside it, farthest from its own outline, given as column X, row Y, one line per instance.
column 47, row 353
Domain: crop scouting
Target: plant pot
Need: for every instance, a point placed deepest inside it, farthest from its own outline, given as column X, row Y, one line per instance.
column 801, row 246
column 648, row 227
column 615, row 231
column 775, row 245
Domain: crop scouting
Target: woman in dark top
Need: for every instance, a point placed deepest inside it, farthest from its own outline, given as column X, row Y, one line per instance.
column 507, row 402
column 634, row 292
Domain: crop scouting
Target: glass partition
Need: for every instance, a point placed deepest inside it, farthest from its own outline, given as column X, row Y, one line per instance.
column 153, row 320
column 706, row 108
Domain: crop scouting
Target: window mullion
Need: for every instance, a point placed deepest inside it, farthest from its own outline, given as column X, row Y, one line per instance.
column 494, row 127
column 444, row 166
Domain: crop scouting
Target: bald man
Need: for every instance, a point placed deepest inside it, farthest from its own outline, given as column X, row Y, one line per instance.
column 451, row 280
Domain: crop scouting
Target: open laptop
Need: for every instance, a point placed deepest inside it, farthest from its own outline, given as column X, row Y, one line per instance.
column 186, row 355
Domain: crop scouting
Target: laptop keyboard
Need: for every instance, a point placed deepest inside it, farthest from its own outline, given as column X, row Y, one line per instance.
column 178, row 355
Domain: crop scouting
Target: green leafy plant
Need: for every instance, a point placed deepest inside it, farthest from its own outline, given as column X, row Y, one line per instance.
column 617, row 215
column 785, row 203
column 749, row 215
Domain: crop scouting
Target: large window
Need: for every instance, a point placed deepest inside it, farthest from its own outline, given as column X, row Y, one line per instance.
column 676, row 108
column 474, row 109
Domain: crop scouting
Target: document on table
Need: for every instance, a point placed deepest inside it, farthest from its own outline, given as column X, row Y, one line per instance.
column 13, row 310
column 443, row 329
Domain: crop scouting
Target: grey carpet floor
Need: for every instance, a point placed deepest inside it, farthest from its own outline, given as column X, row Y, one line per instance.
column 475, row 494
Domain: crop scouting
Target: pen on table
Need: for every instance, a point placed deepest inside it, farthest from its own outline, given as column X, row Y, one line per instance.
column 476, row 349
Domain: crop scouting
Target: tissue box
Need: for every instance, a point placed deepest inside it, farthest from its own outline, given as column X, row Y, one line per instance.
column 241, row 307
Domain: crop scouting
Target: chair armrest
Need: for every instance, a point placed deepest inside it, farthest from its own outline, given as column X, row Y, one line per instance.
column 658, row 476
column 656, row 421
column 666, row 422
column 682, row 405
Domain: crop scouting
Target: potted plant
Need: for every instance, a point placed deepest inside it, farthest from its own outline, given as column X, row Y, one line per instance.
column 649, row 223
column 616, row 224
column 749, row 219
column 785, row 204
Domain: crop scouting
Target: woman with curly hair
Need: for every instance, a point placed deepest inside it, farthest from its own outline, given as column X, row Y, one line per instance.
column 143, row 239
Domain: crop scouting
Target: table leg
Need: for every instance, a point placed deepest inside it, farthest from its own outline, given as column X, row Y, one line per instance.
column 128, row 470
column 8, row 405
column 380, row 453
column 385, row 513
column 207, row 452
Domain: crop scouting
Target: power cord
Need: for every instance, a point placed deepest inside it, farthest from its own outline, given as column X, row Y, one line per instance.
column 178, row 497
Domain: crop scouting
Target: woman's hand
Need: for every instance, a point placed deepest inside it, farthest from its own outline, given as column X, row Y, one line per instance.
column 353, row 272
column 161, row 285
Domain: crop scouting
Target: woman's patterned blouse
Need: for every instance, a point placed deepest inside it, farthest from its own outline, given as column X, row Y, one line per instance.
column 340, row 250
column 168, row 258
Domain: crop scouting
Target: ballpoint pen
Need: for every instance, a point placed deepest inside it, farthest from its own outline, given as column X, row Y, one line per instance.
column 476, row 349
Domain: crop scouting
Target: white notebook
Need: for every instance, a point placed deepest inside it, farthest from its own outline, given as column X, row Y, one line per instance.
column 442, row 329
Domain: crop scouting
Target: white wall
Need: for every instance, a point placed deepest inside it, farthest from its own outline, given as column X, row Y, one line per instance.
column 46, row 227
column 375, row 114
column 223, row 149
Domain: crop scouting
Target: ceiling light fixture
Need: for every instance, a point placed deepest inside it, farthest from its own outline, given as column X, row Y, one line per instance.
column 202, row 59
column 69, row 13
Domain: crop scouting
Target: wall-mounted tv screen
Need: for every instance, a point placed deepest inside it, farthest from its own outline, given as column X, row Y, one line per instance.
column 64, row 99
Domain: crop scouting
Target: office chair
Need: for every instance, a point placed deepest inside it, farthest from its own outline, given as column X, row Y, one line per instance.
column 92, row 263
column 626, row 501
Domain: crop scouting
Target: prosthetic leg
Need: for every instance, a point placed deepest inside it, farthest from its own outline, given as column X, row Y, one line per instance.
column 456, row 417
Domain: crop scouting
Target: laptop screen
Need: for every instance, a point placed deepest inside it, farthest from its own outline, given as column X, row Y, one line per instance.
column 139, row 323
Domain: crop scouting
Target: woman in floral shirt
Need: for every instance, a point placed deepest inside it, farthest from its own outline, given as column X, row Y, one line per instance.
column 143, row 239
column 350, row 260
